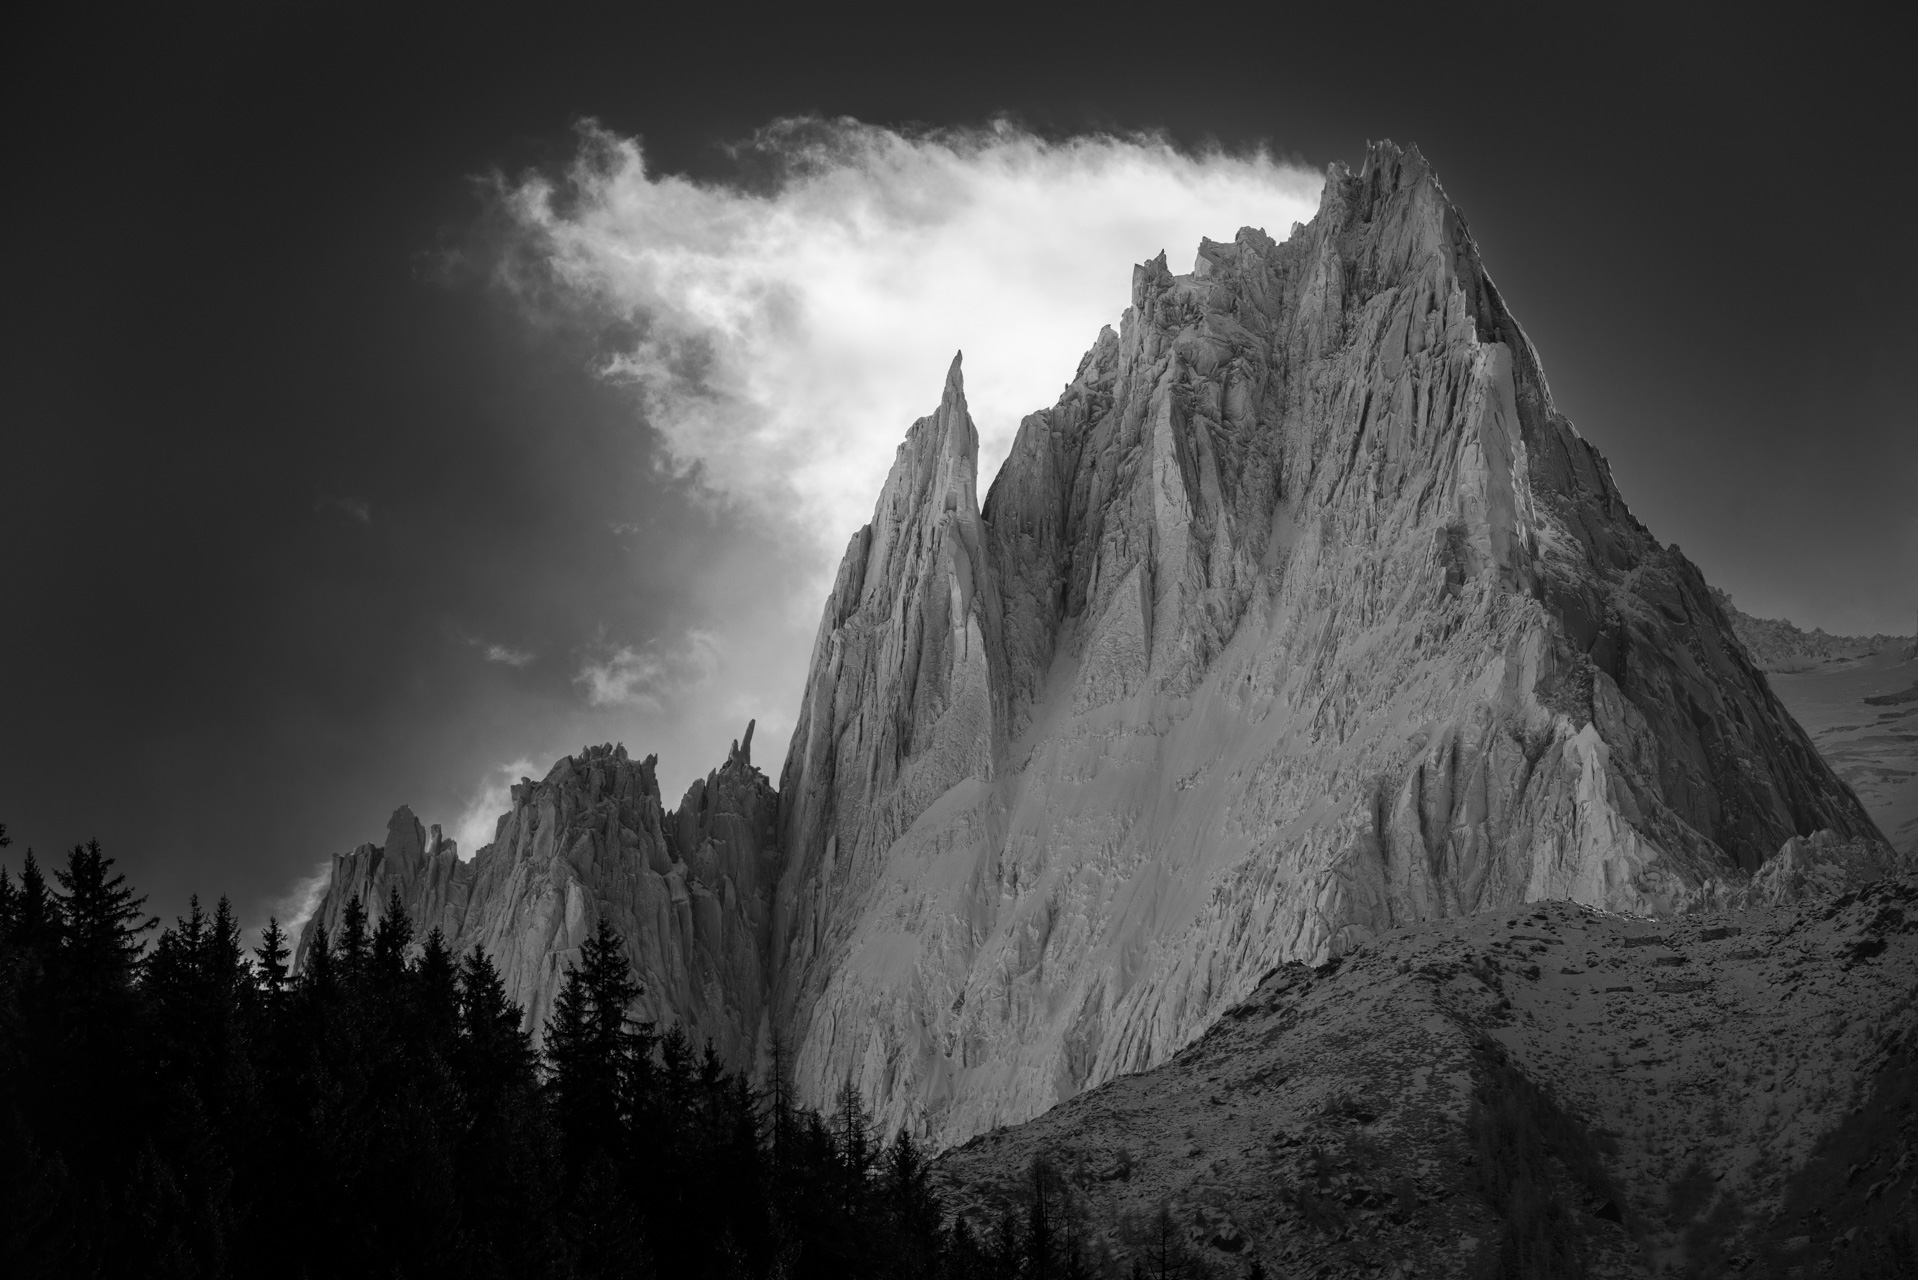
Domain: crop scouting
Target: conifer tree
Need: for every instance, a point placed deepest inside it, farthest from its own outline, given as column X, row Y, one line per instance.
column 36, row 915
column 778, row 1101
column 436, row 997
column 391, row 936
column 1042, row 1220
column 852, row 1134
column 353, row 943
column 224, row 958
column 590, row 1045
column 494, row 1052
column 505, row 1164
column 915, row 1206
column 270, row 959
column 100, row 917
column 35, row 919
column 316, row 975
column 1165, row 1253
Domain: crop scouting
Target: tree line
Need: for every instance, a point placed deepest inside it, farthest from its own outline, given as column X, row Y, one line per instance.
column 184, row 1106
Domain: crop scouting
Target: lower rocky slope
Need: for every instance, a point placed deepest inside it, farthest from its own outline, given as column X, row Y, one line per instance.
column 1559, row 1083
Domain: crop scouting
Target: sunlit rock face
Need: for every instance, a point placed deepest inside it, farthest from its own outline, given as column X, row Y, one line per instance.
column 686, row 890
column 420, row 865
column 1303, row 615
column 689, row 891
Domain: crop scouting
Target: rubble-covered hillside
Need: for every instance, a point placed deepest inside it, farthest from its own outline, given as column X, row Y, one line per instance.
column 1728, row 1093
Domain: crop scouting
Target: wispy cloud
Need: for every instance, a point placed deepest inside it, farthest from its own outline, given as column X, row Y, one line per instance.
column 643, row 678
column 508, row 655
column 784, row 339
column 358, row 510
column 300, row 902
column 492, row 798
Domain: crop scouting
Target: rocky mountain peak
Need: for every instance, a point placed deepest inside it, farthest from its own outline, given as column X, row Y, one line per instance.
column 1302, row 616
column 1314, row 618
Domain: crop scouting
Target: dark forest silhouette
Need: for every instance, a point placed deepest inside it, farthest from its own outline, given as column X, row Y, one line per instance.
column 185, row 1108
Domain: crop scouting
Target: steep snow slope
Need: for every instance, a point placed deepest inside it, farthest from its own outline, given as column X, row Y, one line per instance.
column 1302, row 616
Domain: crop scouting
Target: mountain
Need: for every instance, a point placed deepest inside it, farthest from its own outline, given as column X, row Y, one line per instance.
column 690, row 890
column 1776, row 645
column 1857, row 696
column 1676, row 1097
column 1302, row 617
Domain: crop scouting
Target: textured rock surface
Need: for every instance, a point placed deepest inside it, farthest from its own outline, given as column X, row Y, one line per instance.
column 1321, row 1125
column 689, row 890
column 422, row 865
column 1302, row 616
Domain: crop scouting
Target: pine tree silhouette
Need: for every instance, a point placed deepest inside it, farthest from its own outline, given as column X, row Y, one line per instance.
column 270, row 959
column 353, row 943
column 778, row 1101
column 1042, row 1220
column 391, row 936
column 180, row 1111
column 589, row 1047
column 317, row 974
column 101, row 919
column 33, row 925
column 435, row 997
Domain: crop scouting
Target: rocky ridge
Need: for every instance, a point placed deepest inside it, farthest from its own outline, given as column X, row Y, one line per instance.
column 1302, row 617
column 690, row 890
column 1694, row 1079
column 1777, row 645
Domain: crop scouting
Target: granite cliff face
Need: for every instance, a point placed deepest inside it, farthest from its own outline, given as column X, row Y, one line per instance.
column 1314, row 618
column 421, row 865
column 689, row 890
column 1303, row 616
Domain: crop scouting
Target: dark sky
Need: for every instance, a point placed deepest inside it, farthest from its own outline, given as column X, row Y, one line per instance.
column 274, row 477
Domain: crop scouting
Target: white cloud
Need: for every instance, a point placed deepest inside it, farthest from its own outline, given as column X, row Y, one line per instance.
column 643, row 678
column 508, row 655
column 787, row 340
column 298, row 906
column 358, row 510
column 479, row 819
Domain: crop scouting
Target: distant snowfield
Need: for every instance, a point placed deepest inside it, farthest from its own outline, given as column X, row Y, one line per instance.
column 1874, row 748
